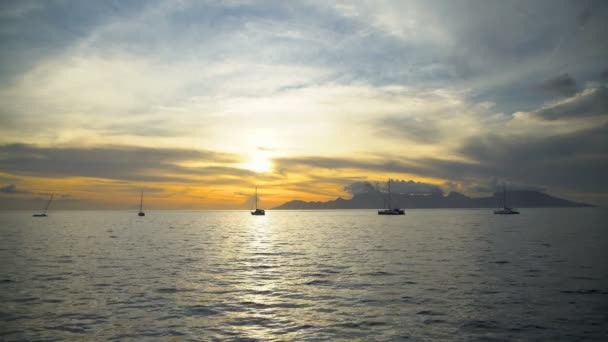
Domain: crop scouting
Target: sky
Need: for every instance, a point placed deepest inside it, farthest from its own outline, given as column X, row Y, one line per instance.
column 196, row 102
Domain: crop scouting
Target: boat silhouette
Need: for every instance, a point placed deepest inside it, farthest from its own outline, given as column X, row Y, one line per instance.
column 257, row 211
column 388, row 210
column 506, row 210
column 43, row 213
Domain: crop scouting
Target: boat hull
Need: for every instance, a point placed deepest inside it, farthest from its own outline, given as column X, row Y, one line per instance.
column 39, row 215
column 506, row 211
column 141, row 214
column 258, row 212
column 391, row 212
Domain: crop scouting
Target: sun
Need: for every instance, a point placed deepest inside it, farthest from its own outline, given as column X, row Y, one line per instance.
column 259, row 161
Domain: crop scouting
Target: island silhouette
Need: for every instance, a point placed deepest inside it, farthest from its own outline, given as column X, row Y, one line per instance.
column 374, row 200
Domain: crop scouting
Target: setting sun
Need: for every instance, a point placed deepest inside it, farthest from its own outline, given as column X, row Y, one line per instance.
column 259, row 161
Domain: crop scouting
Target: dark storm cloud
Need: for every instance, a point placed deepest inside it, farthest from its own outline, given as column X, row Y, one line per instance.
column 114, row 162
column 576, row 161
column 413, row 187
column 591, row 102
column 563, row 85
column 360, row 188
column 9, row 189
column 604, row 75
column 416, row 129
column 496, row 185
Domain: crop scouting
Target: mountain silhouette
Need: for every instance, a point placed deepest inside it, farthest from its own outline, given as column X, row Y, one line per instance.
column 375, row 200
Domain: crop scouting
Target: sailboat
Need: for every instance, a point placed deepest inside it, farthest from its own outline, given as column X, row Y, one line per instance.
column 257, row 212
column 141, row 205
column 505, row 210
column 48, row 204
column 389, row 210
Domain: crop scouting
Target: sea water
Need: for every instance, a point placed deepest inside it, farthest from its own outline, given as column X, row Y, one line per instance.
column 305, row 275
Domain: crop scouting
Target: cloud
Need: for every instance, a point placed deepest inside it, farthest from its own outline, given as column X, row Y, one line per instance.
column 117, row 162
column 575, row 161
column 421, row 130
column 357, row 188
column 590, row 102
column 563, row 85
column 413, row 187
column 604, row 75
column 9, row 189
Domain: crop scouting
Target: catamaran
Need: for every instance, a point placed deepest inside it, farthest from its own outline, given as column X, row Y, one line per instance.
column 141, row 205
column 389, row 210
column 505, row 209
column 48, row 204
column 257, row 212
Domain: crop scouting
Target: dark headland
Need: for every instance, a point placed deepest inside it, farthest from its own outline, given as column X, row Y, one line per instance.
column 374, row 200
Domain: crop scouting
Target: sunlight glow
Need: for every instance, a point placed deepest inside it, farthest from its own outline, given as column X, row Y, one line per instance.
column 259, row 161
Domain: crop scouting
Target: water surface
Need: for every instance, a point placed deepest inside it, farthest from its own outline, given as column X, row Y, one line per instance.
column 305, row 275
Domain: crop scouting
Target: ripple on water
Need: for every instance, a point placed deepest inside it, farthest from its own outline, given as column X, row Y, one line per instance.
column 200, row 310
column 471, row 325
column 585, row 292
column 430, row 313
column 172, row 290
column 319, row 282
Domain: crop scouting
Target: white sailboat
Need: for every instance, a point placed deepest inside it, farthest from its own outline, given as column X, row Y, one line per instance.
column 48, row 204
column 389, row 210
column 141, row 205
column 505, row 209
column 257, row 212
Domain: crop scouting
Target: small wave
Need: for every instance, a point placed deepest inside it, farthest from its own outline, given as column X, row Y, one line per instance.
column 102, row 285
column 584, row 292
column 25, row 299
column 501, row 262
column 430, row 313
column 479, row 324
column 318, row 282
column 255, row 321
column 7, row 317
column 316, row 275
column 199, row 310
column 433, row 321
column 362, row 324
column 53, row 301
column 298, row 328
column 6, row 281
column 71, row 328
column 82, row 316
column 282, row 305
column 582, row 278
column 533, row 327
column 172, row 290
column 263, row 267
column 378, row 274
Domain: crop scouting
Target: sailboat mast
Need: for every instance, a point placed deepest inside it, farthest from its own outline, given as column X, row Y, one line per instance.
column 389, row 193
column 504, row 195
column 48, row 204
column 256, row 198
column 141, row 201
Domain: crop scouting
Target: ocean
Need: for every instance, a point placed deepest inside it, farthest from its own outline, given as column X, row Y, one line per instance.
column 434, row 274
